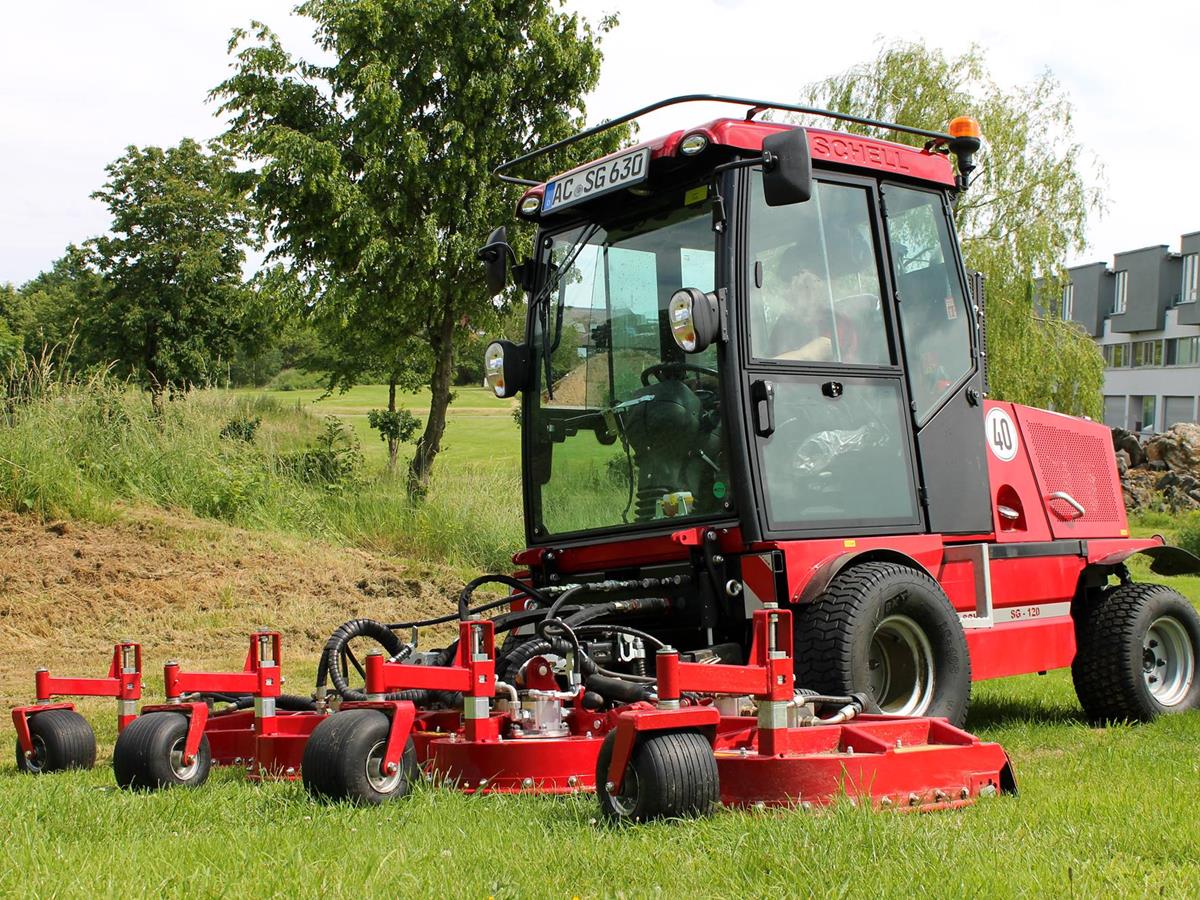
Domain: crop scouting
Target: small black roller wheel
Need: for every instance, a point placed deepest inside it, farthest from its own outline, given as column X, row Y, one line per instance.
column 149, row 754
column 1138, row 648
column 62, row 739
column 671, row 775
column 343, row 757
column 889, row 631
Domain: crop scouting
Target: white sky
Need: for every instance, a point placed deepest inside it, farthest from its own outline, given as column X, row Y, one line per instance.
column 79, row 81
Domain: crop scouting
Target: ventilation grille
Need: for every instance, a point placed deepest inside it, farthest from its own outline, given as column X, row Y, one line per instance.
column 1078, row 461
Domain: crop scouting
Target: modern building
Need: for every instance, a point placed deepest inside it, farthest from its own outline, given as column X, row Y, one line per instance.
column 1144, row 313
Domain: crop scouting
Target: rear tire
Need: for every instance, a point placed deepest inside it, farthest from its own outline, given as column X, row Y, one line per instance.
column 148, row 755
column 888, row 631
column 62, row 739
column 342, row 757
column 1138, row 648
column 671, row 775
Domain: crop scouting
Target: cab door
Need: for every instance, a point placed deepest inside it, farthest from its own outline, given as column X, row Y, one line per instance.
column 826, row 406
column 942, row 347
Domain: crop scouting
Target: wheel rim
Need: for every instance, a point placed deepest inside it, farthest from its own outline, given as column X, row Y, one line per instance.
column 624, row 801
column 1168, row 661
column 900, row 666
column 182, row 772
column 37, row 762
column 380, row 783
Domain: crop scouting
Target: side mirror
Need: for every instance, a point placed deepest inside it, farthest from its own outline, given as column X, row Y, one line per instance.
column 787, row 169
column 494, row 256
column 695, row 319
column 506, row 367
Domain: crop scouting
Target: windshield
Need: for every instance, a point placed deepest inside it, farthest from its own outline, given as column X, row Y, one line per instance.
column 624, row 427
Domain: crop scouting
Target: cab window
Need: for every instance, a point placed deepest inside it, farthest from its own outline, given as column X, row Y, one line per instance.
column 815, row 288
column 933, row 310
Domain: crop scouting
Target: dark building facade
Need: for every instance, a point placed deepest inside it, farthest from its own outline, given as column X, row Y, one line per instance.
column 1144, row 313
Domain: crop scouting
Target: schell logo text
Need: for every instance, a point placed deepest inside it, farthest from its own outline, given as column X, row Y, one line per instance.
column 860, row 152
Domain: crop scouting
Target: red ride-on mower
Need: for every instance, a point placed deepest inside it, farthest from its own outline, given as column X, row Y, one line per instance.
column 53, row 736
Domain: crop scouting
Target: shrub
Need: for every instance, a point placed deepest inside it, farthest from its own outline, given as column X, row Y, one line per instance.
column 298, row 380
column 399, row 425
column 241, row 428
column 334, row 460
column 1189, row 533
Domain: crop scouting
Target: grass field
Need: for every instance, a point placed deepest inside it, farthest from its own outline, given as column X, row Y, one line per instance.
column 1101, row 811
column 480, row 427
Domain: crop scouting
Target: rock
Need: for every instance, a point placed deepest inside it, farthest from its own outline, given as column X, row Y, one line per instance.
column 1178, row 448
column 1124, row 440
column 1168, row 480
column 1157, row 465
column 1122, row 463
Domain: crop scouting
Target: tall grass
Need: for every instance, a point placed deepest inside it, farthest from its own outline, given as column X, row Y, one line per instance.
column 78, row 447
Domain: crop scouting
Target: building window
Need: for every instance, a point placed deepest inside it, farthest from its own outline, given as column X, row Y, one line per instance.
column 1068, row 302
column 1148, row 409
column 1117, row 356
column 1183, row 351
column 1121, row 292
column 1190, row 282
column 1148, row 353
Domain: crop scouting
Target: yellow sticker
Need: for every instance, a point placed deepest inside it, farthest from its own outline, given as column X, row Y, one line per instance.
column 849, row 543
column 1124, row 532
column 696, row 195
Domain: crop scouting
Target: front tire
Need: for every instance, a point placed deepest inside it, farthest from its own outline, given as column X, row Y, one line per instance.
column 670, row 775
column 343, row 755
column 148, row 755
column 62, row 739
column 889, row 631
column 1138, row 648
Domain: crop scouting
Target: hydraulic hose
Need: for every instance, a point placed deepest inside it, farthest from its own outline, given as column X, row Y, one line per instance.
column 328, row 669
column 619, row 690
column 522, row 590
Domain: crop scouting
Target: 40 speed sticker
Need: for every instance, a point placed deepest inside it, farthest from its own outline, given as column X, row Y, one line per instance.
column 1001, row 434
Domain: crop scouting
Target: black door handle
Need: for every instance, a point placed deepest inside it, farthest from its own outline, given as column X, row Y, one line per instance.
column 762, row 394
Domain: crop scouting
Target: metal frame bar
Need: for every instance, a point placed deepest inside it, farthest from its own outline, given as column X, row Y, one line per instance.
column 755, row 106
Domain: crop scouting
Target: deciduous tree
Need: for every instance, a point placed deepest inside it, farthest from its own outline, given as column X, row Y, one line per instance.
column 1026, row 210
column 175, row 303
column 375, row 165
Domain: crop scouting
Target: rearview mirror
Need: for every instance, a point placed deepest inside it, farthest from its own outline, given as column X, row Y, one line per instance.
column 787, row 171
column 494, row 255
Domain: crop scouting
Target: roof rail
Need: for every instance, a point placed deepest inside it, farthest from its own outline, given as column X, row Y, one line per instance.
column 756, row 106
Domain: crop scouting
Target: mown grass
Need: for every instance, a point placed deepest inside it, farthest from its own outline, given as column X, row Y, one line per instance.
column 1101, row 812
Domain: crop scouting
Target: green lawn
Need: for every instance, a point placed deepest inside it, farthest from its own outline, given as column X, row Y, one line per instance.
column 480, row 427
column 1101, row 812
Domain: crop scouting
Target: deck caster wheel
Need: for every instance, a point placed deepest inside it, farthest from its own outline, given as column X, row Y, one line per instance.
column 343, row 756
column 888, row 631
column 672, row 774
column 149, row 754
column 62, row 739
column 1138, row 648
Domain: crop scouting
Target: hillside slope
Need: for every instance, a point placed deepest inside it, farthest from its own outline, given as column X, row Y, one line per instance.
column 186, row 588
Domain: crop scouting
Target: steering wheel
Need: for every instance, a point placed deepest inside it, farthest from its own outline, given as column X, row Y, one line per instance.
column 659, row 369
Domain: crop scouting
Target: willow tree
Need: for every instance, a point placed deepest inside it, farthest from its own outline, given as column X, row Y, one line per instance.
column 1027, row 207
column 374, row 165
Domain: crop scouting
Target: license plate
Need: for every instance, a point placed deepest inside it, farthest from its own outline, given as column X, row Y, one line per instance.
column 596, row 179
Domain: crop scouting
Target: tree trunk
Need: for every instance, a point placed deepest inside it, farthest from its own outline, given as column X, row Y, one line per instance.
column 392, row 442
column 439, row 384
